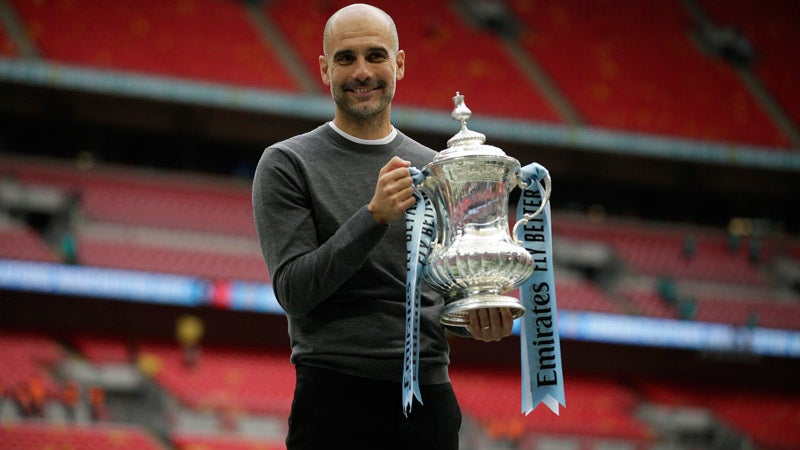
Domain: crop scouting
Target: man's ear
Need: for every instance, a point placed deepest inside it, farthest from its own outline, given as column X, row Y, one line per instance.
column 401, row 64
column 323, row 70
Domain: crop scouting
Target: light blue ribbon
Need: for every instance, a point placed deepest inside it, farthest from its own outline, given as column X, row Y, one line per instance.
column 540, row 348
column 420, row 229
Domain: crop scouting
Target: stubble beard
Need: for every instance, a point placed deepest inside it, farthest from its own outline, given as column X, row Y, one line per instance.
column 363, row 110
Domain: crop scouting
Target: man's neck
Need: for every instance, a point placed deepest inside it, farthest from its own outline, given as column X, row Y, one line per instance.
column 369, row 129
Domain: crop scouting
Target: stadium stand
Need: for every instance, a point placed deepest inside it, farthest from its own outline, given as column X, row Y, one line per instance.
column 633, row 66
column 178, row 39
column 602, row 408
column 26, row 355
column 124, row 196
column 770, row 419
column 223, row 378
column 770, row 29
column 18, row 241
column 7, row 47
column 35, row 436
column 686, row 253
column 159, row 257
column 195, row 442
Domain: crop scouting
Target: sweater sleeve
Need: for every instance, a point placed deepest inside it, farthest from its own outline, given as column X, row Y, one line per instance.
column 304, row 271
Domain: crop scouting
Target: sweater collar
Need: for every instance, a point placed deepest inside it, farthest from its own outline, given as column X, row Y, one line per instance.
column 383, row 141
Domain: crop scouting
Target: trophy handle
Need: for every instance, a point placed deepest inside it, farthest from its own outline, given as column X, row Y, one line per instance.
column 525, row 218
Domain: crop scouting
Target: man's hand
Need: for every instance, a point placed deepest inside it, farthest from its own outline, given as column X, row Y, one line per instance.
column 393, row 192
column 490, row 324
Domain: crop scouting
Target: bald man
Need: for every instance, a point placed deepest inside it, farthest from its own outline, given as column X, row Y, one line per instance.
column 327, row 205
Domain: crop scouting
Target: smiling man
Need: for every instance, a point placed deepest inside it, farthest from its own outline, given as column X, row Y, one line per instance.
column 362, row 62
column 327, row 207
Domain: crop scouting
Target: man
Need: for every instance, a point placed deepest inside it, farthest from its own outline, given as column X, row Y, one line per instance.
column 327, row 206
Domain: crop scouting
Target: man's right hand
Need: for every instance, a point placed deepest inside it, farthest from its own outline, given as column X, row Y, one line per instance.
column 393, row 192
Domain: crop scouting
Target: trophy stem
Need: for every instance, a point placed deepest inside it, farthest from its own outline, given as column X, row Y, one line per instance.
column 456, row 313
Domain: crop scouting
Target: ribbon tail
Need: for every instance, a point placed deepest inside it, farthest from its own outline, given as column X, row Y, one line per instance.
column 417, row 248
column 542, row 375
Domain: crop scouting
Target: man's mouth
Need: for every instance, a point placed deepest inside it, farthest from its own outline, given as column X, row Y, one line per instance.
column 363, row 89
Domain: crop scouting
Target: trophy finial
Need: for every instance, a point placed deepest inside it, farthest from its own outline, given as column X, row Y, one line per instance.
column 462, row 113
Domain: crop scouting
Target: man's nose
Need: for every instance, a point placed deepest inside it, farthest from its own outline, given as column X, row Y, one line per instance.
column 362, row 70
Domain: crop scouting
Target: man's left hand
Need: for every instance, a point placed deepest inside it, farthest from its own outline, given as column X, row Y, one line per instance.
column 490, row 324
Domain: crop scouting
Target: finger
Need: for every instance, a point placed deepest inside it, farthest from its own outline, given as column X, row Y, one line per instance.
column 474, row 325
column 484, row 318
column 496, row 323
column 395, row 163
column 508, row 321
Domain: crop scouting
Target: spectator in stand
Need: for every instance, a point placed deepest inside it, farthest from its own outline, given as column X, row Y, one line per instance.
column 70, row 399
column 97, row 404
column 38, row 395
column 328, row 207
column 22, row 399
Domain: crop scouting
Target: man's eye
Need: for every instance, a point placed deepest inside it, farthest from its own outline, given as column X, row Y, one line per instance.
column 375, row 57
column 344, row 59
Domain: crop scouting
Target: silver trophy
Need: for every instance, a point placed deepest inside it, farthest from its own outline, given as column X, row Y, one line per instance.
column 474, row 260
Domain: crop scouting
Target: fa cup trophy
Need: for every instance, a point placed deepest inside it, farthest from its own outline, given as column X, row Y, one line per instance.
column 458, row 242
column 474, row 261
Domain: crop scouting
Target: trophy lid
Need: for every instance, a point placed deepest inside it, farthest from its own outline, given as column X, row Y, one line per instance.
column 466, row 142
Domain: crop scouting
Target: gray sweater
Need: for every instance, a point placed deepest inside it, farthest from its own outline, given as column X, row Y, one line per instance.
column 339, row 274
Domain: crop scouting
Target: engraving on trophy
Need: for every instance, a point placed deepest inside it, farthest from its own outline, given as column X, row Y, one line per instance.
column 474, row 260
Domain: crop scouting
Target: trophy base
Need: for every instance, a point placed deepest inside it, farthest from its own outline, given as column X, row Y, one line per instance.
column 456, row 313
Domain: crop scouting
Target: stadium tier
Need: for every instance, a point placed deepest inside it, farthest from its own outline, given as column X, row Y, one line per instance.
column 198, row 442
column 633, row 66
column 20, row 241
column 200, row 39
column 203, row 227
column 771, row 419
column 602, row 408
column 628, row 66
column 772, row 29
column 7, row 47
column 36, row 436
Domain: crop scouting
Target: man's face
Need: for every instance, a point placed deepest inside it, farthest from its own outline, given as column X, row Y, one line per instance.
column 362, row 66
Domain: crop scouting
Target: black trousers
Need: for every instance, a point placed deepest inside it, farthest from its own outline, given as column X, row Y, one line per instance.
column 334, row 410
